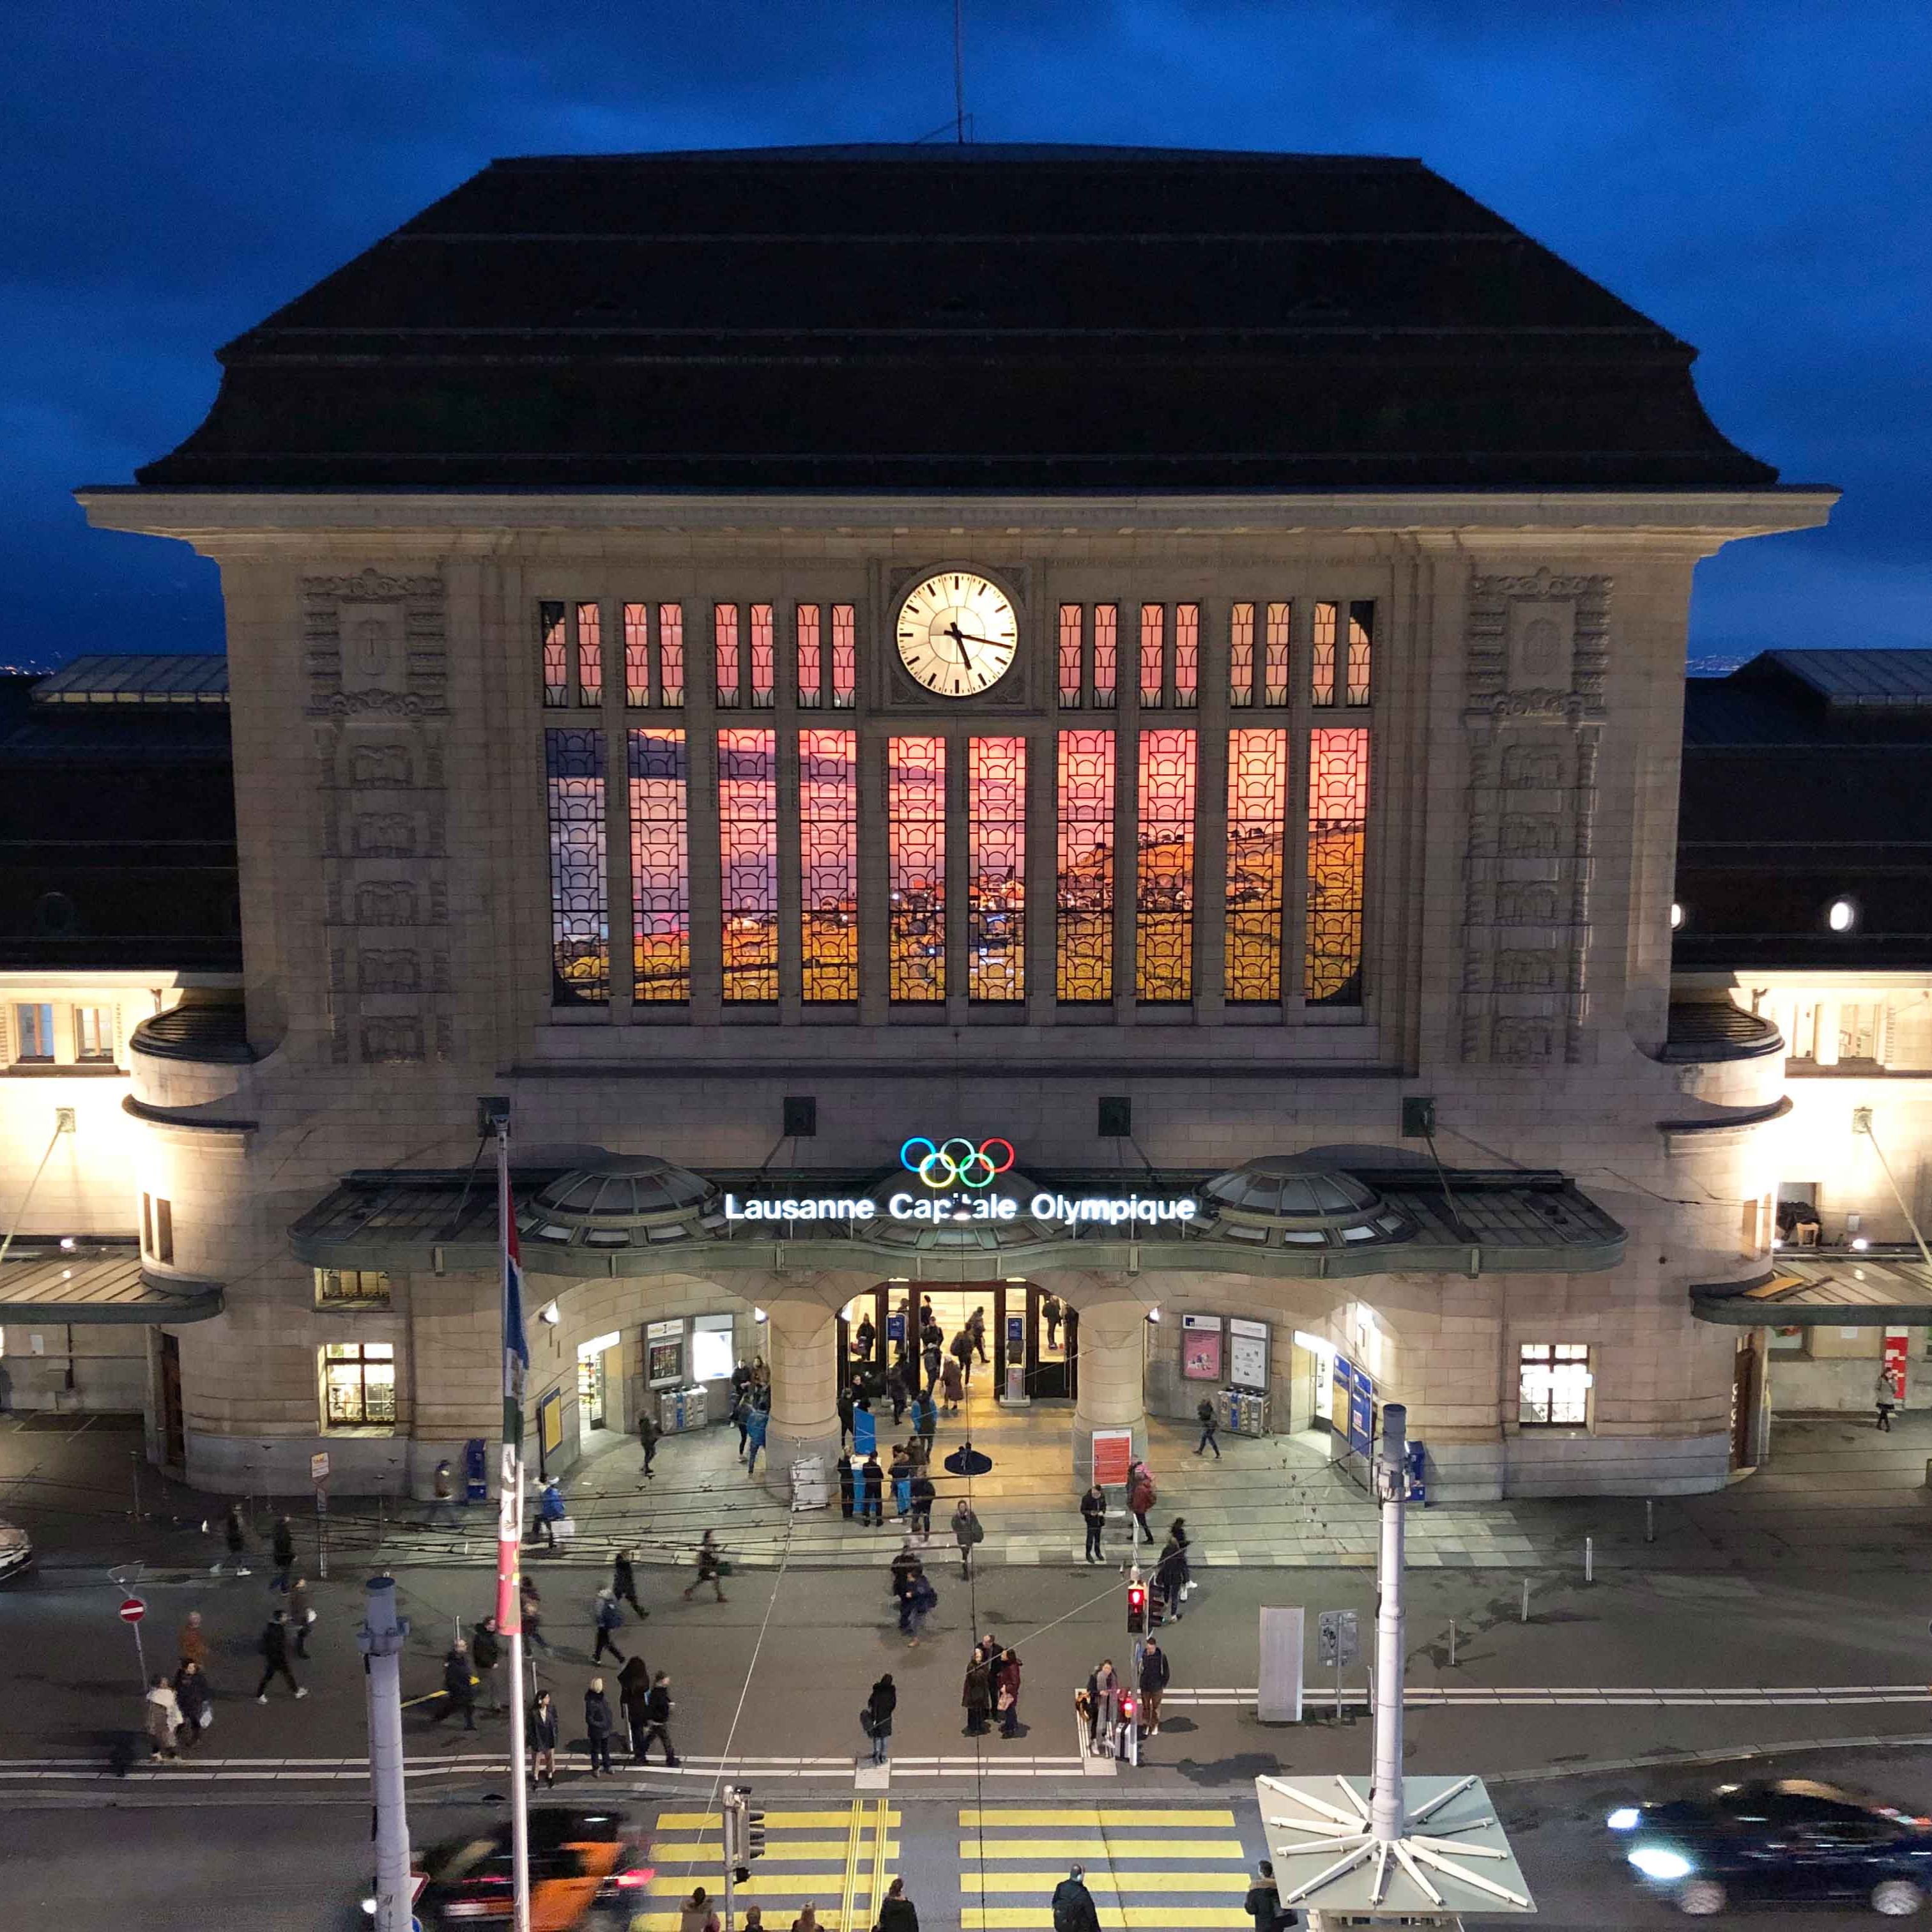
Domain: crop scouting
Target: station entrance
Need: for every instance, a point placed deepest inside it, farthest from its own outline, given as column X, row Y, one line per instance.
column 1025, row 1329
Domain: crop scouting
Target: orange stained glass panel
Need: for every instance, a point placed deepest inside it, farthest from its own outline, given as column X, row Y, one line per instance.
column 660, row 868
column 1338, row 812
column 1164, row 868
column 996, row 773
column 748, row 835
column 1083, row 905
column 916, row 867
column 828, row 832
column 1257, row 836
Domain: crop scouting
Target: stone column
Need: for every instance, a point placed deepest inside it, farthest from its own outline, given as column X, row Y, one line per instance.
column 801, row 1342
column 1113, row 1326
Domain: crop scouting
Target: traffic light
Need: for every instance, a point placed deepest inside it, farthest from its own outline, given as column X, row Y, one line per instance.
column 729, row 1829
column 1127, row 1707
column 1156, row 1611
column 744, row 1832
column 1137, row 1610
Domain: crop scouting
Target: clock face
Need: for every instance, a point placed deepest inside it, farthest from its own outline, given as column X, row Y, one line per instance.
column 957, row 634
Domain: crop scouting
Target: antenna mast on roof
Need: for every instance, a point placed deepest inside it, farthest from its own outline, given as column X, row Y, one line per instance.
column 959, row 70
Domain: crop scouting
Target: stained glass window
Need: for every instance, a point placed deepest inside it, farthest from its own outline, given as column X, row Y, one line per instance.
column 1338, row 810
column 637, row 655
column 660, row 868
column 670, row 655
column 556, row 655
column 1106, row 654
column 1187, row 656
column 764, row 657
column 844, row 657
column 580, row 931
column 1084, row 909
column 730, row 685
column 996, row 869
column 1361, row 649
column 1153, row 654
column 1274, row 669
column 747, row 842
column 828, row 832
column 811, row 659
column 589, row 655
column 1071, row 626
column 1321, row 662
column 1257, row 830
column 1164, row 873
column 916, row 866
column 1241, row 656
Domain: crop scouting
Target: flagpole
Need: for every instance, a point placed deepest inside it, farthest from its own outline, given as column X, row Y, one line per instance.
column 510, row 1523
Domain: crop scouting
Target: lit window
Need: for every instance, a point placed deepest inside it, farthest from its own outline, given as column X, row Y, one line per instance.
column 828, row 835
column 590, row 655
column 1361, row 646
column 556, row 658
column 1257, row 825
column 671, row 655
column 764, row 657
column 580, row 951
column 351, row 1288
column 1553, row 1384
column 660, row 869
column 1321, row 659
column 637, row 655
column 358, row 1384
column 1083, row 909
column 158, row 1229
column 1843, row 917
column 1106, row 654
column 1072, row 622
column 1164, row 873
column 916, row 867
column 94, row 1033
column 1153, row 654
column 713, row 1357
column 1241, row 656
column 811, row 658
column 724, row 633
column 33, row 1032
column 747, row 831
column 1187, row 656
column 996, row 869
column 1338, row 802
column 844, row 657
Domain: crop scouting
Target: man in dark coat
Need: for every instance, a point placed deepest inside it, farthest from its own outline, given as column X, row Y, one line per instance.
column 624, row 1582
column 1073, row 1909
column 880, row 1706
column 1153, row 1682
column 459, row 1686
column 873, row 1490
column 486, row 1652
column 598, row 1724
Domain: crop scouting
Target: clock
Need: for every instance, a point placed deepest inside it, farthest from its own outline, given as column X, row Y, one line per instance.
column 957, row 634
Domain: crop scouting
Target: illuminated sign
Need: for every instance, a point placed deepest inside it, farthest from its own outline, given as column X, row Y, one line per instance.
column 957, row 1162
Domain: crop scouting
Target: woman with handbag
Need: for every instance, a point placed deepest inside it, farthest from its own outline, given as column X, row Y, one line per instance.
column 1006, row 1692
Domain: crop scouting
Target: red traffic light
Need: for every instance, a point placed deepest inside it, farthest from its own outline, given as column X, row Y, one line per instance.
column 1137, row 1610
column 1127, row 1708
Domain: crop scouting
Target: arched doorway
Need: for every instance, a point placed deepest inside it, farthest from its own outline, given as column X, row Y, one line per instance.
column 1025, row 1326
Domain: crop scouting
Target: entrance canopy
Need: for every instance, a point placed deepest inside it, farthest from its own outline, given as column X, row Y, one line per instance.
column 949, row 1218
column 90, row 1287
column 1853, row 1291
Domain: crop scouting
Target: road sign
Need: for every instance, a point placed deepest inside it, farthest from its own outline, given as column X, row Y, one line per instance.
column 1336, row 1641
column 132, row 1610
column 318, row 1466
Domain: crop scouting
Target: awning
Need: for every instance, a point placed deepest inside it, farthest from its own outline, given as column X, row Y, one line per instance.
column 101, row 1290
column 1848, row 1292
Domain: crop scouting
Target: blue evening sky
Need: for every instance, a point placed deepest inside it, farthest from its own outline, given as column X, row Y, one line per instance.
column 1752, row 173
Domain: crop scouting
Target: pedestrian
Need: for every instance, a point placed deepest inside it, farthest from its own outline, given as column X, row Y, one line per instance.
column 977, row 1696
column 1153, row 1681
column 924, row 1600
column 863, row 1341
column 1049, row 1313
column 606, row 1614
column 896, row 1389
column 848, row 1402
column 275, row 1648
column 598, row 1725
column 710, row 1567
column 648, row 1436
column 1181, row 1579
column 443, row 1509
column 754, row 1919
column 1073, row 1909
column 624, row 1582
column 952, row 1385
column 486, row 1652
column 961, row 1350
column 876, row 1720
column 543, row 1740
column 1169, row 1574
column 966, row 1532
column 236, row 1537
column 1203, row 1411
column 929, row 1358
column 1093, row 1508
column 551, row 1511
column 1887, row 1396
column 807, row 1920
column 864, row 1428
column 845, row 1485
column 1263, row 1903
column 901, row 1476
column 873, row 1479
column 1141, row 1496
column 1103, row 1691
column 1006, row 1692
column 695, row 1914
column 904, row 1562
column 163, row 1716
column 928, row 1426
column 192, row 1699
column 459, row 1685
column 756, row 1425
column 924, row 1495
column 657, row 1719
column 975, row 1327
column 193, row 1641
column 282, row 1541
column 531, row 1603
column 634, row 1698
column 897, row 1914
column 301, row 1615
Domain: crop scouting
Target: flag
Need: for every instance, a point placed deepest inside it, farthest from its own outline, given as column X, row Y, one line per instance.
column 516, row 1344
column 516, row 1367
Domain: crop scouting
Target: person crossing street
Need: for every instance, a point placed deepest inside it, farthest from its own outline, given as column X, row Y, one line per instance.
column 1073, row 1907
column 710, row 1567
column 459, row 1686
column 486, row 1653
column 966, row 1532
column 657, row 1717
column 283, row 1542
column 275, row 1648
column 607, row 1613
column 624, row 1582
column 880, row 1706
column 1211, row 1424
column 598, row 1724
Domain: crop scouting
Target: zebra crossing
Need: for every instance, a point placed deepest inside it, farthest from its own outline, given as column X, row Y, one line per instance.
column 1146, row 1865
column 838, row 1859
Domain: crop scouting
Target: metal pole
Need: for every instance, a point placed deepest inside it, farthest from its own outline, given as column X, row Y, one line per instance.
column 140, row 1654
column 729, row 1824
column 1452, row 1643
column 1649, row 1520
column 136, row 1454
column 1386, row 1811
column 321, row 1532
column 1524, row 1618
column 1589, row 1559
column 509, row 1544
column 382, row 1637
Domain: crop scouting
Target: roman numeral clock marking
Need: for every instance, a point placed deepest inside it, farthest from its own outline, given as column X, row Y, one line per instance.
column 957, row 634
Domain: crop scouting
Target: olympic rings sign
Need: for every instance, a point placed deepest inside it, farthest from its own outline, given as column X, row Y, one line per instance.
column 957, row 1162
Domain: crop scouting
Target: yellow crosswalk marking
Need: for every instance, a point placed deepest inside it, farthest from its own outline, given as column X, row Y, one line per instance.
column 775, row 1821
column 766, row 1885
column 1101, row 1848
column 1098, row 1882
column 1113, row 1917
column 797, row 1851
column 1089, row 1814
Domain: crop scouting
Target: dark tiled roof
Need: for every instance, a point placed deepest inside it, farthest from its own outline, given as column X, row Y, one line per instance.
column 956, row 318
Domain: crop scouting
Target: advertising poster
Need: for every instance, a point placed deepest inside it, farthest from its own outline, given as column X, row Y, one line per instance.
column 1361, row 1412
column 1897, row 1348
column 1247, row 1354
column 1201, row 1348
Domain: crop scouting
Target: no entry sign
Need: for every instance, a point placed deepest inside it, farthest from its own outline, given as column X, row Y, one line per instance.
column 133, row 1610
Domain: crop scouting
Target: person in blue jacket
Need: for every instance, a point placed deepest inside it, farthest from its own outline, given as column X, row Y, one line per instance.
column 551, row 1511
column 865, row 1429
column 756, row 1424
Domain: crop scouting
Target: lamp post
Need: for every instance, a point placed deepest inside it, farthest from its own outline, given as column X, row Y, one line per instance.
column 382, row 1636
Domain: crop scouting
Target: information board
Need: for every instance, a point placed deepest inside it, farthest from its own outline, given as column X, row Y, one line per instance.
column 1113, row 1451
column 1361, row 1411
column 1247, row 1353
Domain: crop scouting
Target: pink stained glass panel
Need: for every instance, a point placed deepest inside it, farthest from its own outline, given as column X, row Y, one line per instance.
column 1106, row 654
column 1154, row 655
column 811, row 658
column 670, row 655
column 1073, row 625
column 748, row 837
column 996, row 779
column 1321, row 658
column 844, row 657
column 1257, row 843
column 1083, row 906
column 729, row 673
column 660, row 868
column 764, row 657
column 1164, row 871
column 589, row 655
column 637, row 655
column 828, row 832
column 916, row 867
column 556, row 655
column 1186, row 656
column 580, row 915
column 1274, row 667
column 1241, row 656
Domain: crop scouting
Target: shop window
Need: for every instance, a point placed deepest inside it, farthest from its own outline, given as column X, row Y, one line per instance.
column 660, row 869
column 33, row 1032
column 93, row 1033
column 713, row 1352
column 351, row 1288
column 358, row 1384
column 1553, row 1384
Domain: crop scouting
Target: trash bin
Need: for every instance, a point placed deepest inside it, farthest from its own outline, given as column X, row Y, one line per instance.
column 809, row 1489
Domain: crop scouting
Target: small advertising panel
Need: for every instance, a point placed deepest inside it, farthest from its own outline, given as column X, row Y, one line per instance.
column 1361, row 1412
column 1201, row 1348
column 1247, row 1353
column 664, row 1353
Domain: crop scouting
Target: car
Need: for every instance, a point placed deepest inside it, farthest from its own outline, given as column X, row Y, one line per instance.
column 589, row 1868
column 1777, row 1842
column 17, row 1552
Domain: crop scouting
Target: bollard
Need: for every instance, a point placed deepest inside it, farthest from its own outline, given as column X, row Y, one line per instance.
column 1452, row 1643
column 1589, row 1559
column 1649, row 1520
column 1524, row 1617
